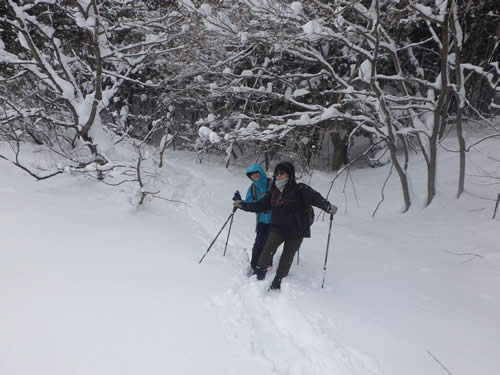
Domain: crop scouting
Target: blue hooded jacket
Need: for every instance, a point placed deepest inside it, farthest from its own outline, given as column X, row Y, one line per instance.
column 261, row 187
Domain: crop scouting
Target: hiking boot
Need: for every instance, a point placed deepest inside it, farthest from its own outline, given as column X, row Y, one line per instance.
column 260, row 272
column 276, row 284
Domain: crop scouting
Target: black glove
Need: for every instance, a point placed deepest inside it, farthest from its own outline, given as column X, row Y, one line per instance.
column 237, row 196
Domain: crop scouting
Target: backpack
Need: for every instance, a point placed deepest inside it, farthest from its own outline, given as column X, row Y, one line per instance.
column 308, row 209
column 254, row 189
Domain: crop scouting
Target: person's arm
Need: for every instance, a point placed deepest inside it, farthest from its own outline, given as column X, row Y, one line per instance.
column 314, row 198
column 261, row 205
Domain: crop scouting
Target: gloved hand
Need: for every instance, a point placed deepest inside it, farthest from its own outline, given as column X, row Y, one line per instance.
column 238, row 204
column 332, row 209
column 237, row 196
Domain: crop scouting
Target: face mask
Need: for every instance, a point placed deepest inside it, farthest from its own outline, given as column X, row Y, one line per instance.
column 280, row 184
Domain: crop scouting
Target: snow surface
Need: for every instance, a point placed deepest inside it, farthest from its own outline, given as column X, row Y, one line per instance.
column 91, row 285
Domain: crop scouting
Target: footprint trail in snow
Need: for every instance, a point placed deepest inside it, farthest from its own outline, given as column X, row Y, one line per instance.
column 289, row 341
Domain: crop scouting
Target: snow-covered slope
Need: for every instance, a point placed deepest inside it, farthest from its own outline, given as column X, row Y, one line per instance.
column 89, row 285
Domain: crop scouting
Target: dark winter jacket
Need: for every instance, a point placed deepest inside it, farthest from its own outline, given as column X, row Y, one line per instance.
column 289, row 206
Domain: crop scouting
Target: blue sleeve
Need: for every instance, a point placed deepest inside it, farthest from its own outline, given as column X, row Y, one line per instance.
column 249, row 197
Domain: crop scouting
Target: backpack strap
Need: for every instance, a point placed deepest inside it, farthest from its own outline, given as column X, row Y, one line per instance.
column 254, row 192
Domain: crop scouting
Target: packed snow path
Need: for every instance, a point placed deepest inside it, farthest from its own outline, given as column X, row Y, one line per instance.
column 290, row 341
column 90, row 285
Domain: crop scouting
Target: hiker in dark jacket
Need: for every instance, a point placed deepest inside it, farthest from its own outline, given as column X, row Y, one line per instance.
column 288, row 202
column 257, row 190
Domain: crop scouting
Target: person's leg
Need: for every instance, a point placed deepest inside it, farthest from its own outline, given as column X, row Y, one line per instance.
column 262, row 232
column 289, row 249
column 274, row 240
column 266, row 235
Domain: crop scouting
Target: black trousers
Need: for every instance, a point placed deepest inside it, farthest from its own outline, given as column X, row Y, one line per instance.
column 262, row 232
column 275, row 239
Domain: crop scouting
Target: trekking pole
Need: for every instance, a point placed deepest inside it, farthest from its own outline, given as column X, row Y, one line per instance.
column 218, row 234
column 298, row 256
column 229, row 232
column 236, row 197
column 327, row 246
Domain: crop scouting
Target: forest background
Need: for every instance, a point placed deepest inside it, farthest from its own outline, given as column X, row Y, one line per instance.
column 327, row 84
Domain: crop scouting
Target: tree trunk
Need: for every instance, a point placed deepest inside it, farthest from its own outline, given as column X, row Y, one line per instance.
column 459, row 91
column 444, row 117
column 339, row 150
column 386, row 118
column 432, row 168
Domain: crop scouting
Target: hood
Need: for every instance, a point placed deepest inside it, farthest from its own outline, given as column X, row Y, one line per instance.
column 262, row 182
column 288, row 168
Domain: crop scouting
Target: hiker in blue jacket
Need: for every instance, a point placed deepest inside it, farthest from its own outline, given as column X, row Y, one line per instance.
column 257, row 190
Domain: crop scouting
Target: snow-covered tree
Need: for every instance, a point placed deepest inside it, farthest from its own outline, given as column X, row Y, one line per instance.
column 272, row 77
column 63, row 63
column 382, row 68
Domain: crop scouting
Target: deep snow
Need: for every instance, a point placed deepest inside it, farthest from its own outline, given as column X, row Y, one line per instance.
column 91, row 285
